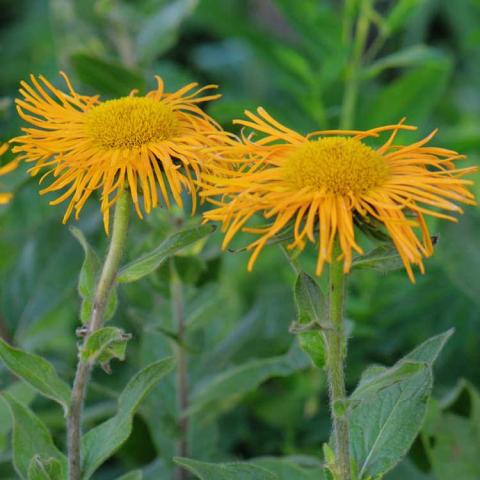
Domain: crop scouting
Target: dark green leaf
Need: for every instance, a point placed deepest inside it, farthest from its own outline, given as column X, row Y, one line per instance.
column 399, row 14
column 408, row 57
column 287, row 469
column 105, row 439
column 225, row 471
column 383, row 259
column 229, row 386
column 106, row 76
column 37, row 372
column 452, row 440
column 135, row 475
column 406, row 95
column 149, row 262
column 30, row 438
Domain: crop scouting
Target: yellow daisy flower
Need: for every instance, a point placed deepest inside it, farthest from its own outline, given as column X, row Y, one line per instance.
column 156, row 142
column 322, row 184
column 6, row 197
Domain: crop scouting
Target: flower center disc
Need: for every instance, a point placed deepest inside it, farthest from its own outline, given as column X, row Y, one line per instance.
column 337, row 165
column 131, row 122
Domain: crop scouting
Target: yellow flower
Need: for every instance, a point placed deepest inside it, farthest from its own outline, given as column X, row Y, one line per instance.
column 148, row 144
column 6, row 197
column 322, row 184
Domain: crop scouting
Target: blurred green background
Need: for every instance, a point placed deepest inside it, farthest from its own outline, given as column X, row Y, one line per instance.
column 422, row 61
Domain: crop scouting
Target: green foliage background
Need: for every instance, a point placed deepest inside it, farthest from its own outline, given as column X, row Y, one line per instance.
column 288, row 56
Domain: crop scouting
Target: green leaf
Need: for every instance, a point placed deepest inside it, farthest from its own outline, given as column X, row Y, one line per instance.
column 429, row 350
column 88, row 275
column 106, row 76
column 407, row 94
column 23, row 393
column 377, row 379
column 134, row 475
column 149, row 262
column 310, row 301
column 105, row 439
column 30, row 438
column 385, row 422
column 460, row 255
column 160, row 30
column 389, row 406
column 287, row 469
column 225, row 471
column 87, row 281
column 49, row 469
column 383, row 259
column 416, row 56
column 105, row 344
column 399, row 14
column 452, row 440
column 311, row 311
column 224, row 389
column 37, row 372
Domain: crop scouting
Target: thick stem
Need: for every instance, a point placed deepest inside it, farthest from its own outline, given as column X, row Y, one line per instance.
column 102, row 293
column 182, row 448
column 353, row 74
column 337, row 346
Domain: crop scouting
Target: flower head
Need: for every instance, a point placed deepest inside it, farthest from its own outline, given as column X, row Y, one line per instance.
column 153, row 144
column 6, row 197
column 322, row 184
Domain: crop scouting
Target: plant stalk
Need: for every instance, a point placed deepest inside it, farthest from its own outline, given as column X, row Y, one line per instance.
column 337, row 347
column 182, row 447
column 353, row 73
column 102, row 293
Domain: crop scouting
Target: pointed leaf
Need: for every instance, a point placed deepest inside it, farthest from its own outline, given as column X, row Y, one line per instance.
column 383, row 259
column 225, row 388
column 389, row 406
column 429, row 350
column 149, row 262
column 105, row 344
column 311, row 304
column 30, row 438
column 407, row 93
column 90, row 267
column 225, row 471
column 106, row 76
column 105, row 439
column 135, row 475
column 37, row 372
column 87, row 281
column 310, row 301
column 50, row 469
column 399, row 14
column 287, row 469
column 407, row 57
column 23, row 393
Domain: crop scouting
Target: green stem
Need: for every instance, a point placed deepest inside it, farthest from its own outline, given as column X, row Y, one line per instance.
column 102, row 293
column 353, row 73
column 178, row 307
column 337, row 346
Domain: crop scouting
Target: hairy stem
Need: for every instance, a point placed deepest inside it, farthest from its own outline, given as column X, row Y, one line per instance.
column 337, row 346
column 182, row 449
column 102, row 293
